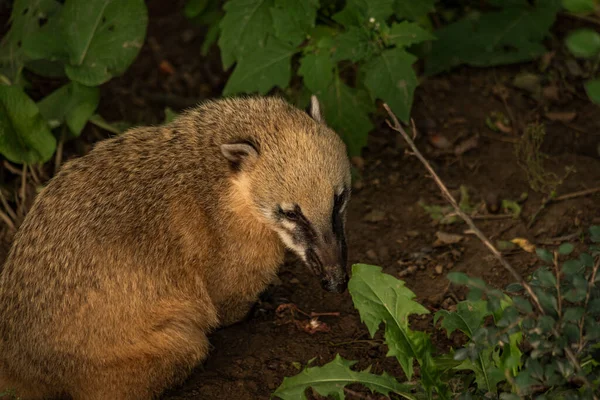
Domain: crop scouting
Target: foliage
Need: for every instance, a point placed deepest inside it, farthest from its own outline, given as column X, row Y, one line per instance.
column 585, row 43
column 513, row 348
column 348, row 54
column 82, row 42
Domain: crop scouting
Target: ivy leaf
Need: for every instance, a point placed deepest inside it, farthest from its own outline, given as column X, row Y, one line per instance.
column 354, row 45
column 583, row 43
column 513, row 34
column 24, row 135
column 467, row 318
column 346, row 110
column 244, row 28
column 98, row 39
column 391, row 78
column 293, row 20
column 544, row 255
column 317, row 72
column 579, row 6
column 413, row 10
column 592, row 88
column 263, row 69
column 379, row 297
column 565, row 249
column 73, row 103
column 406, row 33
column 330, row 380
column 24, row 20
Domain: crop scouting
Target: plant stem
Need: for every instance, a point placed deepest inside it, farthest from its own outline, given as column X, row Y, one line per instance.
column 587, row 299
column 557, row 272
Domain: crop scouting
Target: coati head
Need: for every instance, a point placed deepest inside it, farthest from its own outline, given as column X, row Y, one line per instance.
column 296, row 175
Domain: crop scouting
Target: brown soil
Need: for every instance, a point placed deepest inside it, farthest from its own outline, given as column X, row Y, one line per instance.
column 386, row 226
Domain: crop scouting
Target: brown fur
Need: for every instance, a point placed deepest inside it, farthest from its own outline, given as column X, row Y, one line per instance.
column 134, row 252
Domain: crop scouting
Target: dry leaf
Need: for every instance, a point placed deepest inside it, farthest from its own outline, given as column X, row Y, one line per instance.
column 444, row 238
column 466, row 145
column 566, row 116
column 551, row 93
column 439, row 141
column 166, row 67
column 524, row 244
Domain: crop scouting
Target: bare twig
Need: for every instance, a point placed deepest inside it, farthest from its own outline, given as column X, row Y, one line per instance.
column 4, row 217
column 398, row 128
column 557, row 272
column 574, row 195
column 587, row 299
column 582, row 17
column 7, row 208
column 59, row 150
column 23, row 194
column 11, row 168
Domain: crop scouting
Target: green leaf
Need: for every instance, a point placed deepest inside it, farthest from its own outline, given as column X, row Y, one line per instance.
column 244, row 28
column 583, row 43
column 487, row 374
column 263, row 69
column 459, row 278
column 193, row 8
column 72, row 103
column 330, row 380
column 24, row 135
column 595, row 233
column 293, row 20
column 573, row 314
column 547, row 301
column 354, row 45
column 170, row 115
column 391, row 78
column 592, row 88
column 544, row 255
column 413, row 10
column 565, row 249
column 25, row 21
column 571, row 267
column 586, row 259
column 579, row 6
column 546, row 278
column 317, row 71
column 346, row 110
column 406, row 33
column 467, row 318
column 98, row 39
column 523, row 304
column 513, row 34
column 379, row 297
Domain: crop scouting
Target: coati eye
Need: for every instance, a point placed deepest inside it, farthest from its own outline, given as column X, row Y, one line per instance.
column 291, row 215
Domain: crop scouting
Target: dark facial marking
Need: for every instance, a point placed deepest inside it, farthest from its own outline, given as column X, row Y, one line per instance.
column 337, row 223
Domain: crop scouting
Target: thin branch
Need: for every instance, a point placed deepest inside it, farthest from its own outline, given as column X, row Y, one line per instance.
column 59, row 150
column 573, row 195
column 11, row 213
column 587, row 299
column 4, row 217
column 23, row 194
column 398, row 128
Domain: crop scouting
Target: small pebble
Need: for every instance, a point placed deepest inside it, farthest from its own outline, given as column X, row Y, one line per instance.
column 439, row 269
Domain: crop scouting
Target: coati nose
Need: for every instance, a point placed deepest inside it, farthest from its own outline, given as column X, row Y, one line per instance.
column 337, row 283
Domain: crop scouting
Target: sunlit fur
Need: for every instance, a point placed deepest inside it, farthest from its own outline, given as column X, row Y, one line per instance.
column 134, row 252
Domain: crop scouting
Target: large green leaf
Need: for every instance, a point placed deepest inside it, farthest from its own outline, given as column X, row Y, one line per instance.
column 293, row 19
column 244, row 28
column 24, row 135
column 263, row 69
column 97, row 39
column 346, row 110
column 584, row 43
column 487, row 374
column 413, row 10
column 513, row 34
column 360, row 12
column 406, row 33
column 380, row 297
column 72, row 104
column 317, row 71
column 354, row 45
column 330, row 380
column 25, row 21
column 391, row 78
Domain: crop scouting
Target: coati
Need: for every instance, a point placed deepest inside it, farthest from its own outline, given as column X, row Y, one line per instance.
column 135, row 251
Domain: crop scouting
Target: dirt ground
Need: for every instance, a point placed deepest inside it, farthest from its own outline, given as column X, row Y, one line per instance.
column 386, row 225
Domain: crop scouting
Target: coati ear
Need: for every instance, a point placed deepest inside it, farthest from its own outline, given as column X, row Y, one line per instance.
column 240, row 154
column 315, row 109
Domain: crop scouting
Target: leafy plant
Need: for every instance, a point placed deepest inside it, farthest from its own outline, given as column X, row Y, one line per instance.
column 513, row 348
column 585, row 43
column 82, row 42
column 348, row 55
